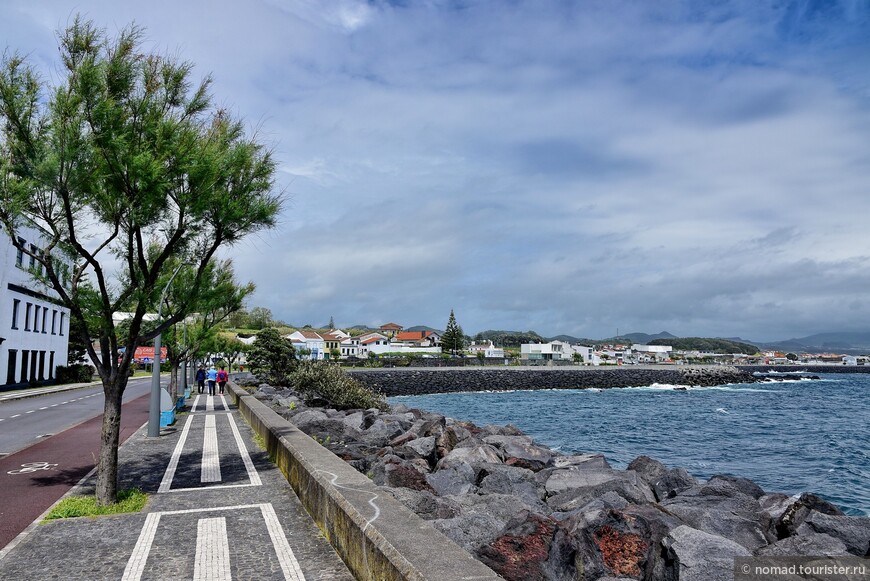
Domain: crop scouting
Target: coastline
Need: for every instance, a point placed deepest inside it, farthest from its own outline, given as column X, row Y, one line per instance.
column 485, row 487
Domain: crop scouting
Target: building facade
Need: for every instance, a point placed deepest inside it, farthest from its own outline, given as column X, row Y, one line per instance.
column 34, row 327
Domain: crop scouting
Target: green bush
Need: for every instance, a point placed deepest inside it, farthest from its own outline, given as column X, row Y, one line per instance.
column 318, row 380
column 76, row 373
column 272, row 357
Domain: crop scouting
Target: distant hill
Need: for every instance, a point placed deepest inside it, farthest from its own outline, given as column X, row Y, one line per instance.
column 570, row 339
column 509, row 338
column 641, row 338
column 419, row 328
column 707, row 345
column 852, row 342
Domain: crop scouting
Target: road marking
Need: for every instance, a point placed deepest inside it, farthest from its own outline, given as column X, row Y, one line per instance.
column 212, row 550
column 173, row 461
column 243, row 452
column 209, row 403
column 211, row 463
column 44, row 408
column 15, row 416
column 54, row 405
column 289, row 564
column 195, row 402
column 136, row 564
column 30, row 412
column 224, row 400
column 29, row 467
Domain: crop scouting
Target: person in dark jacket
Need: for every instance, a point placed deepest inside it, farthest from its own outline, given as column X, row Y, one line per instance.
column 200, row 379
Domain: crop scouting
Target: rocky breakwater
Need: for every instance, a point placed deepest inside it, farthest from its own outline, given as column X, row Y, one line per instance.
column 394, row 382
column 530, row 513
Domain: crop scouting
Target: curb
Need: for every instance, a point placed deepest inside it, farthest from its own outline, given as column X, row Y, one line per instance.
column 375, row 535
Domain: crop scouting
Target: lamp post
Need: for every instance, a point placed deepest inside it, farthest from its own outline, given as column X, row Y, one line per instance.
column 154, row 408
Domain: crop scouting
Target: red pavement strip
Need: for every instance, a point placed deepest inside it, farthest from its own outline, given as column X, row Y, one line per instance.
column 70, row 454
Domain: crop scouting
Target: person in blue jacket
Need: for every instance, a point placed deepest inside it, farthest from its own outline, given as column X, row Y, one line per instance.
column 212, row 379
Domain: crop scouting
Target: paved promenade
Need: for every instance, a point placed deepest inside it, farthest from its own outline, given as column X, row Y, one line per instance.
column 218, row 510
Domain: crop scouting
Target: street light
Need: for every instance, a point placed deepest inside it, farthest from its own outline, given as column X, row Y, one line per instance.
column 154, row 409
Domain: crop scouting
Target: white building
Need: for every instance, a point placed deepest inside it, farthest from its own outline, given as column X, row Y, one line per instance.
column 34, row 327
column 651, row 353
column 308, row 341
column 587, row 354
column 488, row 349
column 552, row 351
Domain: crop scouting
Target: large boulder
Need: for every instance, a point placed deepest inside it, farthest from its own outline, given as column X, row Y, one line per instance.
column 481, row 520
column 620, row 541
column 475, row 456
column 454, row 480
column 522, row 549
column 744, row 485
column 381, row 431
column 420, row 448
column 397, row 472
column 695, row 555
column 854, row 531
column 721, row 509
column 647, row 468
column 810, row 544
column 570, row 489
column 512, row 480
column 797, row 512
column 673, row 482
column 425, row 504
column 521, row 451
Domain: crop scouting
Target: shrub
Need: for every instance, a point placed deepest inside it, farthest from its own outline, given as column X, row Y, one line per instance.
column 315, row 380
column 272, row 357
column 76, row 373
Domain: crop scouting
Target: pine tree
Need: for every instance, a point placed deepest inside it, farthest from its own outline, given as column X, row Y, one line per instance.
column 453, row 339
column 331, row 322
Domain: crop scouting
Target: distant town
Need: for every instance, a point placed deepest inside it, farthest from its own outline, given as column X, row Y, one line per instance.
column 392, row 340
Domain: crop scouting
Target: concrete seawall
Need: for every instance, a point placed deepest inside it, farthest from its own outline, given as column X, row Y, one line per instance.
column 376, row 536
column 411, row 381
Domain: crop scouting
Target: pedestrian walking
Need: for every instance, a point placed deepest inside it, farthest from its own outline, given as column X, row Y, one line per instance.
column 212, row 379
column 222, row 377
column 200, row 379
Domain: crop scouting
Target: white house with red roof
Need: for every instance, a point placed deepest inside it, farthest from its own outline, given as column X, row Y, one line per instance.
column 371, row 341
column 417, row 339
column 308, row 344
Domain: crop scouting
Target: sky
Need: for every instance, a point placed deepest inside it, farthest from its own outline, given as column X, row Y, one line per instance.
column 570, row 167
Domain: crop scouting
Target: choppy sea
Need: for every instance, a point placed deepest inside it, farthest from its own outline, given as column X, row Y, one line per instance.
column 792, row 436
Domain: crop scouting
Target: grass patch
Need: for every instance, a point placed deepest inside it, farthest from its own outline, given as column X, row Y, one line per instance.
column 130, row 500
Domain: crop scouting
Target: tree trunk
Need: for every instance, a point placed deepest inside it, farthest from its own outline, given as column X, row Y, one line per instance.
column 173, row 379
column 107, row 467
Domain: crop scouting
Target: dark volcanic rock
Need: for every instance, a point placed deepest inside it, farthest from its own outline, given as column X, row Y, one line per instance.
column 698, row 556
column 809, row 544
column 744, row 485
column 854, row 531
column 794, row 516
column 521, row 551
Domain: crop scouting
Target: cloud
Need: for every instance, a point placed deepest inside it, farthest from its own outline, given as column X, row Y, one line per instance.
column 560, row 166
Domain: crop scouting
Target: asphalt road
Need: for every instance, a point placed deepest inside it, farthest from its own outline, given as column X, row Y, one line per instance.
column 23, row 422
column 44, row 468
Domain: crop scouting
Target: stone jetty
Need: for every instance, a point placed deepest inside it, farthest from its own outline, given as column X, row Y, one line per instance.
column 401, row 381
column 530, row 513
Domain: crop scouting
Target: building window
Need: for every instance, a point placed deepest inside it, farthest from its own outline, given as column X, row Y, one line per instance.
column 51, row 365
column 27, row 317
column 60, row 330
column 11, row 365
column 36, row 318
column 33, row 250
column 15, row 304
column 44, row 315
column 54, row 321
column 19, row 253
column 25, row 361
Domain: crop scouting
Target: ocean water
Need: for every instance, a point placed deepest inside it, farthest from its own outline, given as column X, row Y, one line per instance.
column 792, row 437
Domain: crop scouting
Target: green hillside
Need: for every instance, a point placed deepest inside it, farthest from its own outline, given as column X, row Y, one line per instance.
column 707, row 345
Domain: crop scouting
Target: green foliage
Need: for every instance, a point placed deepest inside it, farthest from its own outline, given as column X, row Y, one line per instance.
column 706, row 345
column 509, row 338
column 272, row 357
column 130, row 500
column 75, row 373
column 453, row 339
column 317, row 380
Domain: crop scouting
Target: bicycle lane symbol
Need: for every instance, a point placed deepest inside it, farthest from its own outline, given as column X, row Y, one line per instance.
column 32, row 467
